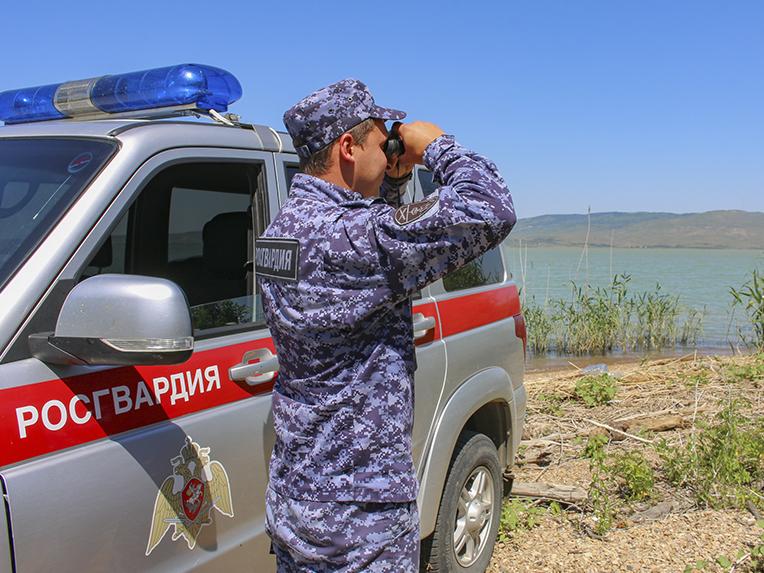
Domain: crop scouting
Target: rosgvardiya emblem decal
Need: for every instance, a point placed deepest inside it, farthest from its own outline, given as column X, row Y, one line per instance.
column 186, row 498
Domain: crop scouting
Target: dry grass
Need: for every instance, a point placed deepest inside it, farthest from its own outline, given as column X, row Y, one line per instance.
column 695, row 387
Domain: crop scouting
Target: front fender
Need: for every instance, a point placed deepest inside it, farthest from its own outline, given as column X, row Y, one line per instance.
column 490, row 385
column 6, row 563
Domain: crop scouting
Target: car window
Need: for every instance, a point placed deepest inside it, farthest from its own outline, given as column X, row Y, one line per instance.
column 195, row 225
column 290, row 170
column 426, row 183
column 485, row 270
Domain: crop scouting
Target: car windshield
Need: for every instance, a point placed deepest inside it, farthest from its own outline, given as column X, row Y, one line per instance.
column 40, row 178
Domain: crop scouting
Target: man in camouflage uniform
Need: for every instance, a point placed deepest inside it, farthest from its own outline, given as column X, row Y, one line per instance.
column 337, row 268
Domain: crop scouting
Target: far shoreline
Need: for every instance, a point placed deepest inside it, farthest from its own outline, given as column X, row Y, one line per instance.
column 557, row 363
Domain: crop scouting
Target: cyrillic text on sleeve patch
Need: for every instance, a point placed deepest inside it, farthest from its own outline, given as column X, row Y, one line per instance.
column 415, row 211
column 277, row 258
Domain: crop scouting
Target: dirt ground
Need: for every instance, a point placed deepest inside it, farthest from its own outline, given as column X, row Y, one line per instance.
column 666, row 533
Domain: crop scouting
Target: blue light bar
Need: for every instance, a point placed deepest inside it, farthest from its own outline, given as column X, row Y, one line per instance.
column 29, row 104
column 174, row 88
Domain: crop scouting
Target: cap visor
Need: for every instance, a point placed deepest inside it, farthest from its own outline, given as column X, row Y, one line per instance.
column 386, row 113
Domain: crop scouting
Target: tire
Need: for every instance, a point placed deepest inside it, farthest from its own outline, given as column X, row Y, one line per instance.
column 478, row 511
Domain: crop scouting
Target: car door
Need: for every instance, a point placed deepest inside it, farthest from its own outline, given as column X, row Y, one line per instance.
column 430, row 349
column 477, row 304
column 155, row 468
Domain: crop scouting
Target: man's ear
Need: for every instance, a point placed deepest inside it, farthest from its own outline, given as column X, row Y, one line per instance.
column 345, row 143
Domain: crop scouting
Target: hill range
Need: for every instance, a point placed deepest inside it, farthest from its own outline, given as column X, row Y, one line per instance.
column 710, row 230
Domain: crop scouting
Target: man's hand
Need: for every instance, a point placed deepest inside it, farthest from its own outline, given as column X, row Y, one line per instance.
column 416, row 136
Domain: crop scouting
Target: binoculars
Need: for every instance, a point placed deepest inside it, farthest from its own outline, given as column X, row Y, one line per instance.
column 394, row 144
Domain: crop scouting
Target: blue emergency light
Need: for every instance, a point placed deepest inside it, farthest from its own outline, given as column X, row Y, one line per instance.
column 182, row 88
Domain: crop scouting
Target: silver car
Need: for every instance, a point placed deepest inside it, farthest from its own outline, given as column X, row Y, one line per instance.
column 136, row 367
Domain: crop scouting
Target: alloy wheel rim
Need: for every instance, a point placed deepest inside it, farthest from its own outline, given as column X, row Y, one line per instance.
column 474, row 516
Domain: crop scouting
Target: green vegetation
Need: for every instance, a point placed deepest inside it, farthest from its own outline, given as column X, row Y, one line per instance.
column 596, row 320
column 519, row 515
column 722, row 464
column 599, row 320
column 714, row 458
column 698, row 379
column 751, row 298
column 734, row 373
column 551, row 404
column 596, row 390
column 540, row 326
column 633, row 474
column 624, row 476
column 603, row 504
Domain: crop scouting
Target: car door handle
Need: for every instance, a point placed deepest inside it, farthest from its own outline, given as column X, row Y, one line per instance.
column 422, row 325
column 255, row 372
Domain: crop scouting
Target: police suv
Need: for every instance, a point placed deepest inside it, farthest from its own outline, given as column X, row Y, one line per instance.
column 135, row 364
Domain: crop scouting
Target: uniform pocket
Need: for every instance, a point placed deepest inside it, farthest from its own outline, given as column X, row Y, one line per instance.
column 296, row 423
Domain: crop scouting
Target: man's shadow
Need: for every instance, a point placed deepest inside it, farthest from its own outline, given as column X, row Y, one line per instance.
column 156, row 440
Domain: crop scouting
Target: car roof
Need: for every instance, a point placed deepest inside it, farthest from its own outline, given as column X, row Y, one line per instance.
column 164, row 133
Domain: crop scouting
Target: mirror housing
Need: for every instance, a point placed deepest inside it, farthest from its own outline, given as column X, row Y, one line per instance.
column 120, row 320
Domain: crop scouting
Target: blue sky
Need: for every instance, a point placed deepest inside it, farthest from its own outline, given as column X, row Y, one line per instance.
column 641, row 105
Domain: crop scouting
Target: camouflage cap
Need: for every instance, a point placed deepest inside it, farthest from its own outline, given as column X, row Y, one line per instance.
column 320, row 118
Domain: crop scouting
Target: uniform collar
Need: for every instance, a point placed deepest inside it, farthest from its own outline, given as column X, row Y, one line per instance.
column 308, row 186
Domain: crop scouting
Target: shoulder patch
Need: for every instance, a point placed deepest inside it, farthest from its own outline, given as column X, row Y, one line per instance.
column 415, row 211
column 277, row 258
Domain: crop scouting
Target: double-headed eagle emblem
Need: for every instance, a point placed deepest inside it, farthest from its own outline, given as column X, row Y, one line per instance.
column 186, row 498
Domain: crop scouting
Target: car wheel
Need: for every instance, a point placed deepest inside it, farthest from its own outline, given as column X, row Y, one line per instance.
column 470, row 508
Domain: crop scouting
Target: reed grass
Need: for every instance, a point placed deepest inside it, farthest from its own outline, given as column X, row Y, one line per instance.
column 750, row 297
column 602, row 319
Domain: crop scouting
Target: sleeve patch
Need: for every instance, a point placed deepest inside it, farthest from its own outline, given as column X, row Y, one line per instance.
column 414, row 211
column 277, row 258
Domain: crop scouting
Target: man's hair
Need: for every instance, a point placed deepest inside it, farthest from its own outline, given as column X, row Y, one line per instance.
column 320, row 162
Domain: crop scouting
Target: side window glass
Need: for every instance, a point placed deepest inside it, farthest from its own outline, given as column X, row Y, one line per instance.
column 485, row 270
column 290, row 170
column 195, row 224
column 110, row 258
column 426, row 183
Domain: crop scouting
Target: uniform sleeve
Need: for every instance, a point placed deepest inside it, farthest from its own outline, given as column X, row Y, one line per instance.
column 471, row 213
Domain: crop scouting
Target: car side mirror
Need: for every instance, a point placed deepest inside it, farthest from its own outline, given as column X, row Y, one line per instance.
column 119, row 320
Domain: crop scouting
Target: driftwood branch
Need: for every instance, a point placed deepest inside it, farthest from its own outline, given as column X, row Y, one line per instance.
column 653, row 424
column 537, row 456
column 551, row 491
column 550, row 439
column 753, row 509
column 612, row 430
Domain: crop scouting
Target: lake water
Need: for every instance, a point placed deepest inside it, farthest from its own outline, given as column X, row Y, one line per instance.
column 700, row 277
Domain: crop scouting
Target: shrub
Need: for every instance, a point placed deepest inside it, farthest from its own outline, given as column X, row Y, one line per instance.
column 596, row 390
column 599, row 491
column 518, row 515
column 625, row 475
column 551, row 404
column 633, row 474
column 722, row 464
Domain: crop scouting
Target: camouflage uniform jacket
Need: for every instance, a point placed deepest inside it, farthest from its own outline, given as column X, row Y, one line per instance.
column 343, row 401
